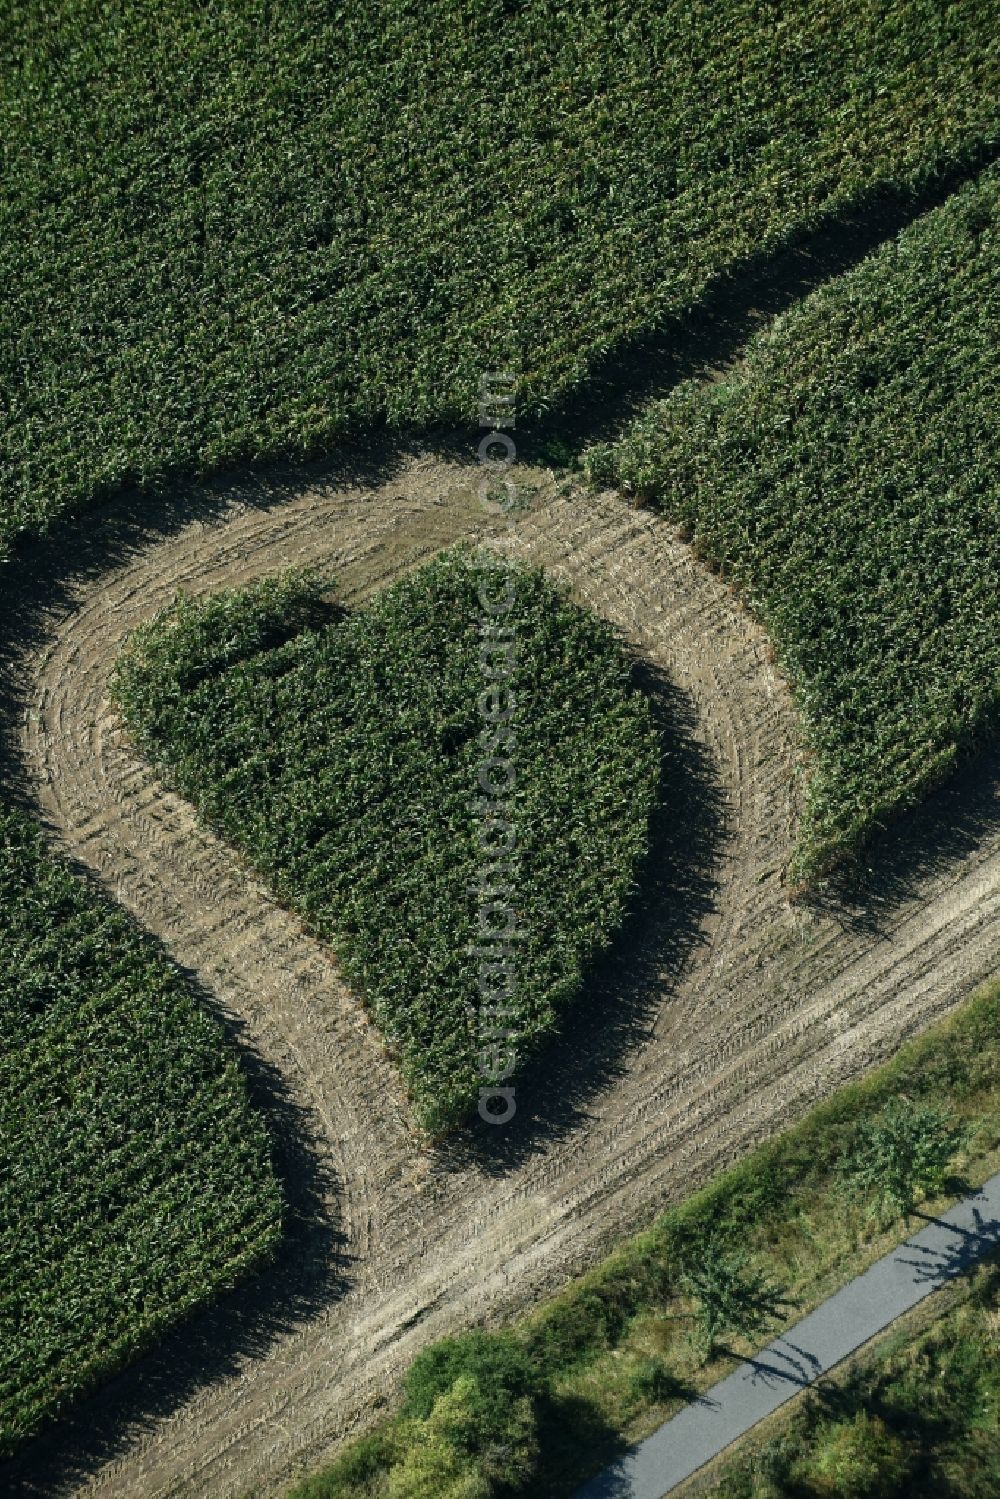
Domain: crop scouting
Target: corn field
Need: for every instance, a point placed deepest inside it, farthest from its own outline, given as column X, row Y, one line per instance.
column 136, row 1179
column 847, row 479
column 344, row 764
column 226, row 238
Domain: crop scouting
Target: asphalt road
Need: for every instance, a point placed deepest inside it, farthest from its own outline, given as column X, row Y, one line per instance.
column 843, row 1323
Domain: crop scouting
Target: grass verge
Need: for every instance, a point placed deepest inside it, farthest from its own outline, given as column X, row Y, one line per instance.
column 615, row 1353
column 917, row 1418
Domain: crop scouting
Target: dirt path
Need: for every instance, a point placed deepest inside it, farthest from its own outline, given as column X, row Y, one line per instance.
column 763, row 1007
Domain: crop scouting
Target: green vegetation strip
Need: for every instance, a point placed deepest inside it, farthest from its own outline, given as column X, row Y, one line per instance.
column 847, row 478
column 920, row 1420
column 351, row 765
column 135, row 1180
column 542, row 1405
column 231, row 234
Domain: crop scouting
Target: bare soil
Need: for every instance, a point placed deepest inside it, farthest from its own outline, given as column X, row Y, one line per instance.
column 727, row 1013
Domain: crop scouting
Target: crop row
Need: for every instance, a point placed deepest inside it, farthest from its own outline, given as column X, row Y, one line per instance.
column 359, row 766
column 847, row 478
column 223, row 240
column 136, row 1178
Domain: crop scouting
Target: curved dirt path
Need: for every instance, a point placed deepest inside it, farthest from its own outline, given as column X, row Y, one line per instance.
column 763, row 1007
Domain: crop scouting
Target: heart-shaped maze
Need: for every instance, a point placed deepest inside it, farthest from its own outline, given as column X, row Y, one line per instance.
column 452, row 784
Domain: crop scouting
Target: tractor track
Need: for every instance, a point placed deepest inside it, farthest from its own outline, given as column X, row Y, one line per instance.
column 766, row 1006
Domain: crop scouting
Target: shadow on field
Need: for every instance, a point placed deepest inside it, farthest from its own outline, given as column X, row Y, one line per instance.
column 574, row 1439
column 919, row 846
column 41, row 579
column 710, row 335
column 625, row 992
column 307, row 1273
column 309, row 1270
column 879, row 1383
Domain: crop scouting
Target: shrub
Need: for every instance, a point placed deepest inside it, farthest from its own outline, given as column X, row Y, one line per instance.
column 497, row 1363
column 480, row 1432
column 859, row 1459
column 728, row 1296
column 900, row 1154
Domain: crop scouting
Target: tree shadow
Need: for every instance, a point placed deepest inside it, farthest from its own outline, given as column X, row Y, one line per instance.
column 628, row 987
column 869, row 1389
column 575, row 1440
column 963, row 1252
column 773, row 1367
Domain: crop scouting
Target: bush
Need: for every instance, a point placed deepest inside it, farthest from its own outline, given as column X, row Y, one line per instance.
column 578, row 1326
column 497, row 1363
column 436, row 1462
column 480, row 1432
column 916, row 1421
column 944, row 1388
column 859, row 1459
column 900, row 1154
column 358, row 1471
column 729, row 1297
